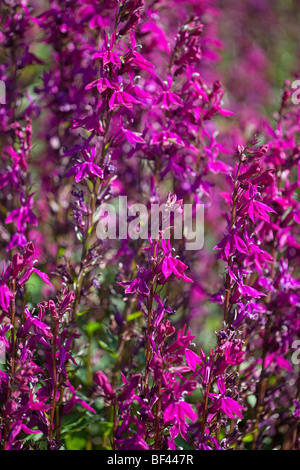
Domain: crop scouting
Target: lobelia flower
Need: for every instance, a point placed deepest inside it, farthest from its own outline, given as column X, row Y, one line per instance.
column 103, row 382
column 171, row 265
column 5, row 296
column 23, row 215
column 224, row 403
column 178, row 412
column 132, row 88
column 139, row 284
column 168, row 98
column 108, row 56
column 86, row 169
column 122, row 98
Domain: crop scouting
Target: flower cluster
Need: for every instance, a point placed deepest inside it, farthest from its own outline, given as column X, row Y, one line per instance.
column 141, row 344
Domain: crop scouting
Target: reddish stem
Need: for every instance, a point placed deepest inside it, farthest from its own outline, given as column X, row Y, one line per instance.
column 55, row 380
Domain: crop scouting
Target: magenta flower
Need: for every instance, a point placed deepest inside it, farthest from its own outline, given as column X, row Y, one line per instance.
column 122, row 98
column 87, row 168
column 224, row 403
column 168, row 98
column 5, row 297
column 74, row 399
column 172, row 265
column 40, row 327
column 132, row 90
column 232, row 243
column 102, row 381
column 139, row 284
column 177, row 413
column 23, row 215
column 108, row 56
column 17, row 240
column 102, row 84
column 192, row 359
column 43, row 276
column 133, row 137
column 255, row 209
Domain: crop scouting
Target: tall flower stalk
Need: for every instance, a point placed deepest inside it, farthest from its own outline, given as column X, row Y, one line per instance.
column 121, row 340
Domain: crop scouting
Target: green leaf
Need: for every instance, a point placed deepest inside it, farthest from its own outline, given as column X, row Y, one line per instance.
column 79, row 314
column 92, row 327
column 33, row 437
column 77, row 423
column 61, row 252
column 75, row 442
column 248, row 438
column 134, row 315
column 108, row 349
